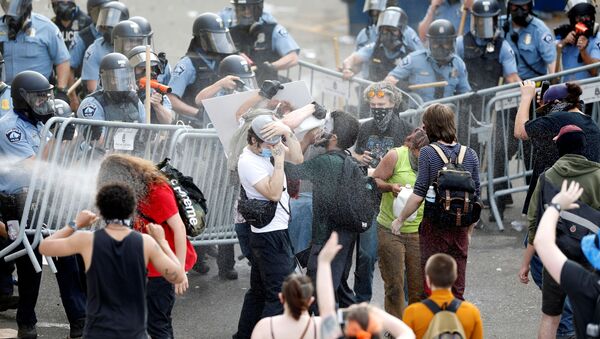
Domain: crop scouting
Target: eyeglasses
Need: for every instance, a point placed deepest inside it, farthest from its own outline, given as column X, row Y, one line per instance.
column 379, row 93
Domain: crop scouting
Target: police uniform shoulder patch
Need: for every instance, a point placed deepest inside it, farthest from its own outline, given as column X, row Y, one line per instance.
column 89, row 110
column 405, row 61
column 179, row 69
column 547, row 38
column 598, row 44
column 88, row 53
column 14, row 135
column 283, row 32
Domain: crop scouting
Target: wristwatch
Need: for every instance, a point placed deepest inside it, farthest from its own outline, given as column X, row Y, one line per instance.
column 72, row 225
column 555, row 205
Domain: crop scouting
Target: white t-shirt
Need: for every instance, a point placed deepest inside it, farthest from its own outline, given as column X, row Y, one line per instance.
column 253, row 168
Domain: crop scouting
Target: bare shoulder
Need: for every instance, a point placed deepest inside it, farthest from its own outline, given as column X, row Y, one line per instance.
column 262, row 330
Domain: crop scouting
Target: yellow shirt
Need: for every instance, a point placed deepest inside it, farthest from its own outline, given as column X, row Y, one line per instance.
column 417, row 316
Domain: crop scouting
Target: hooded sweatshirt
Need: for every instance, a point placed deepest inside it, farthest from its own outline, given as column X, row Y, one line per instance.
column 570, row 167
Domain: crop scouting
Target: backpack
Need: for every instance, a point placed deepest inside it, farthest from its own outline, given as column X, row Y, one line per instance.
column 572, row 225
column 593, row 328
column 456, row 204
column 445, row 324
column 190, row 199
column 356, row 202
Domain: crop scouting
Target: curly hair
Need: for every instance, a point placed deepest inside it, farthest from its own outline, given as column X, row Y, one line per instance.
column 392, row 91
column 140, row 174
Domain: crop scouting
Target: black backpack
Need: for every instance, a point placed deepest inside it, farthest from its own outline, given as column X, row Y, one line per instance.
column 572, row 225
column 593, row 328
column 356, row 203
column 456, row 204
column 190, row 199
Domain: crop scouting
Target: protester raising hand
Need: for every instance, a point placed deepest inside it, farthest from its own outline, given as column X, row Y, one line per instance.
column 567, row 196
column 527, row 90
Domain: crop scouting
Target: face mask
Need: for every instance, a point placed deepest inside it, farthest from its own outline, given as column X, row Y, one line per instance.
column 553, row 107
column 14, row 26
column 382, row 117
column 65, row 11
column 520, row 17
column 266, row 153
column 390, row 41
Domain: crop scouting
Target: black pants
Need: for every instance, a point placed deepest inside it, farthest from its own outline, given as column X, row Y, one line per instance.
column 160, row 299
column 272, row 260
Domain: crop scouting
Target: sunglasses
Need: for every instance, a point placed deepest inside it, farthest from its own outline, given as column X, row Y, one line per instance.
column 379, row 93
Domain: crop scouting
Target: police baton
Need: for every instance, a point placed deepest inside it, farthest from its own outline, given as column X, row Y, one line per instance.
column 463, row 20
column 73, row 87
column 429, row 85
column 148, row 88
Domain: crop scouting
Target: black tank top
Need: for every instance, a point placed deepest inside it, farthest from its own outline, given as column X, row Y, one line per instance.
column 116, row 288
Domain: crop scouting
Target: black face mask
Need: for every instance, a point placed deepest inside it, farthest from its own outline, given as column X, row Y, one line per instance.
column 382, row 117
column 65, row 10
column 14, row 26
column 521, row 17
column 390, row 41
column 123, row 97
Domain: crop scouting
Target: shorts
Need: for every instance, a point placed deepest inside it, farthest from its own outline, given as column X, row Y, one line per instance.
column 553, row 297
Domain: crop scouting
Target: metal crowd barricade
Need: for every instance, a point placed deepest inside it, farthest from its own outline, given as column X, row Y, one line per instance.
column 199, row 153
column 63, row 179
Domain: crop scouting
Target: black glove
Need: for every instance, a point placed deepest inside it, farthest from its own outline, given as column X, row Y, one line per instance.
column 269, row 88
column 266, row 68
column 62, row 95
column 320, row 111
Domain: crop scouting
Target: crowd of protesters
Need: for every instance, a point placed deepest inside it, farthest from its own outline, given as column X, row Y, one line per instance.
column 421, row 176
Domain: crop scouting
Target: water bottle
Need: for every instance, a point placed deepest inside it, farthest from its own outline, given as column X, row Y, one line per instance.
column 13, row 229
column 430, row 197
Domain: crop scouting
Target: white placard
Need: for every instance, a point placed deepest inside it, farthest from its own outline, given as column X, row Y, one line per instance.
column 510, row 102
column 591, row 92
column 124, row 139
column 221, row 110
column 336, row 86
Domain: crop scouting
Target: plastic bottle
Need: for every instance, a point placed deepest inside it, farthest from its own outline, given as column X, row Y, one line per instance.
column 430, row 197
column 13, row 229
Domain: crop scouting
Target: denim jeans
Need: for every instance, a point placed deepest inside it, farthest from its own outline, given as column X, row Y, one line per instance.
column 565, row 328
column 243, row 234
column 272, row 261
column 160, row 299
column 365, row 263
column 340, row 269
column 300, row 227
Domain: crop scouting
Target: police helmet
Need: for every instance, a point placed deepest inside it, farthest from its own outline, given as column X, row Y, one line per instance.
column 93, row 8
column 484, row 19
column 62, row 109
column 64, row 9
column 127, row 35
column 441, row 35
column 32, row 93
column 374, row 5
column 580, row 8
column 521, row 2
column 238, row 65
column 212, row 35
column 145, row 26
column 247, row 12
column 111, row 13
column 137, row 61
column 116, row 74
column 16, row 8
column 393, row 17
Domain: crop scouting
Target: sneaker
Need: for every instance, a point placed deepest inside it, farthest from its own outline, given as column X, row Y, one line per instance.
column 76, row 329
column 8, row 302
column 231, row 274
column 201, row 267
column 27, row 332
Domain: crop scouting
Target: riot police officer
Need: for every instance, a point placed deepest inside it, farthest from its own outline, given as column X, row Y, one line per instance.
column 32, row 42
column 117, row 100
column 161, row 111
column 110, row 15
column 5, row 98
column 198, row 68
column 69, row 19
column 368, row 34
column 580, row 39
column 144, row 24
column 437, row 63
column 256, row 34
column 235, row 75
column 395, row 41
column 127, row 35
column 21, row 138
column 530, row 39
column 85, row 37
column 451, row 10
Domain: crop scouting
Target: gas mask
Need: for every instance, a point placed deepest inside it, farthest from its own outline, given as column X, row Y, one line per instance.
column 15, row 25
column 442, row 49
column 391, row 41
column 123, row 96
column 588, row 25
column 556, row 106
column 248, row 14
column 521, row 16
column 41, row 104
column 382, row 117
column 373, row 16
column 64, row 10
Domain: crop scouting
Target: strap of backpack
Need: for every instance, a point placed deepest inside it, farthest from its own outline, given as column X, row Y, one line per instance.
column 441, row 153
column 453, row 306
column 461, row 155
column 145, row 216
column 431, row 305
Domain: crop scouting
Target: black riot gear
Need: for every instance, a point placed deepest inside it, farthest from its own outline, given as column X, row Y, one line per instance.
column 521, row 14
column 93, row 8
column 483, row 63
column 137, row 60
column 238, row 65
column 211, row 34
column 247, row 12
column 65, row 10
column 441, row 36
column 484, row 18
column 582, row 11
column 17, row 16
column 257, row 44
column 146, row 28
column 118, row 95
column 391, row 25
column 110, row 15
column 127, row 35
column 2, row 73
column 32, row 95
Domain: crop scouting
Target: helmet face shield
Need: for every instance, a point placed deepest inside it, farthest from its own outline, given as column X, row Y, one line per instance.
column 249, row 84
column 41, row 102
column 125, row 44
column 442, row 48
column 15, row 8
column 483, row 27
column 247, row 14
column 377, row 5
column 394, row 19
column 217, row 42
column 118, row 80
column 108, row 18
column 2, row 72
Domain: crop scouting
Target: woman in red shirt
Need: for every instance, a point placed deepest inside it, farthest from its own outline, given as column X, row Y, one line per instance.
column 156, row 204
